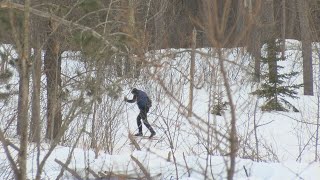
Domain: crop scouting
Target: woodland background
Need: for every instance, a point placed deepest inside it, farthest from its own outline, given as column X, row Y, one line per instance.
column 120, row 44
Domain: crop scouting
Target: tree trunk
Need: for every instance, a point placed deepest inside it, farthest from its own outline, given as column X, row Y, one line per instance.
column 130, row 38
column 128, row 65
column 267, row 19
column 283, row 30
column 159, row 24
column 269, row 32
column 93, row 134
column 35, row 127
column 306, row 46
column 318, row 113
column 118, row 63
column 52, row 65
column 291, row 18
column 192, row 71
column 254, row 46
column 256, row 52
column 233, row 137
column 24, row 96
column 138, row 65
column 272, row 61
column 133, row 44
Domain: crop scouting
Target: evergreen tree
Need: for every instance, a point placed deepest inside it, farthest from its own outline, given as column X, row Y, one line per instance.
column 274, row 87
column 5, row 76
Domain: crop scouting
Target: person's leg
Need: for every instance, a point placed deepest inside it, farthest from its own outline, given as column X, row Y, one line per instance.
column 139, row 125
column 145, row 120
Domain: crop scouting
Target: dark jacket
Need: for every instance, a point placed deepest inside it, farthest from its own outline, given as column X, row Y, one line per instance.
column 142, row 99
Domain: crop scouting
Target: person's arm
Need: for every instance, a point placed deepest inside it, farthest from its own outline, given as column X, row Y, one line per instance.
column 134, row 99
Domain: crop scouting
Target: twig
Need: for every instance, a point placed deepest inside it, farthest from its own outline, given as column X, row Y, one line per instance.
column 73, row 172
column 104, row 175
column 111, row 175
column 93, row 173
column 9, row 143
column 134, row 142
column 12, row 162
column 11, row 5
column 188, row 169
column 143, row 169
column 259, row 125
column 246, row 171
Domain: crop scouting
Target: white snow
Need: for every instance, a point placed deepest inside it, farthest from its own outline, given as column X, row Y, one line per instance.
column 290, row 136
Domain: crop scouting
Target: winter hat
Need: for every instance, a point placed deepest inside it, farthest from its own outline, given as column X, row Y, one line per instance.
column 134, row 91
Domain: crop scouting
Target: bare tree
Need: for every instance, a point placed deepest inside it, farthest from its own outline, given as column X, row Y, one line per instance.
column 23, row 118
column 52, row 66
column 35, row 126
column 223, row 20
column 192, row 71
column 303, row 10
column 216, row 30
column 316, row 158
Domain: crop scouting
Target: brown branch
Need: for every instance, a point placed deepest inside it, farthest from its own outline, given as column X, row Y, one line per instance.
column 185, row 161
column 4, row 142
column 9, row 143
column 70, row 155
column 134, row 142
column 112, row 175
column 143, row 169
column 10, row 5
column 233, row 131
column 104, row 175
column 73, row 172
column 95, row 175
column 71, row 115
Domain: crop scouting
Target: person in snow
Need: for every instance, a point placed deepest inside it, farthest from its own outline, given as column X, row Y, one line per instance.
column 144, row 104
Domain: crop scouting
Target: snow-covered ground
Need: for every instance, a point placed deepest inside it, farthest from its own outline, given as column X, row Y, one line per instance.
column 188, row 148
column 157, row 164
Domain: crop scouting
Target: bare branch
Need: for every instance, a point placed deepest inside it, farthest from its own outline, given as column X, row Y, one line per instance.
column 143, row 169
column 73, row 172
column 4, row 142
column 10, row 5
column 134, row 142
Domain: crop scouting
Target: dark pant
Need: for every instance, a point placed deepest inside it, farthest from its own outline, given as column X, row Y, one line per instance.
column 143, row 115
